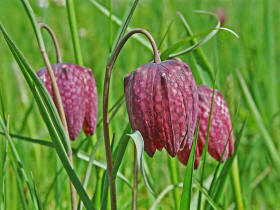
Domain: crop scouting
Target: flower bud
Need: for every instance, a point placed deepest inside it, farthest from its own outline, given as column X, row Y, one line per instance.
column 162, row 103
column 78, row 93
column 220, row 136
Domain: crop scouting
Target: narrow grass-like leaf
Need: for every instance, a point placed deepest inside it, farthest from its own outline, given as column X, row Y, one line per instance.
column 269, row 57
column 19, row 162
column 114, row 109
column 221, row 180
column 174, row 179
column 165, row 34
column 205, row 149
column 36, row 193
column 118, row 156
column 89, row 167
column 260, row 122
column 31, row 140
column 26, row 116
column 139, row 143
column 50, row 116
column 163, row 193
column 106, row 12
column 85, row 157
column 51, row 187
column 170, row 52
column 3, row 175
column 126, row 19
column 180, row 185
column 171, row 49
column 207, row 196
column 188, row 179
column 74, row 31
column 199, row 43
column 198, row 53
column 20, row 187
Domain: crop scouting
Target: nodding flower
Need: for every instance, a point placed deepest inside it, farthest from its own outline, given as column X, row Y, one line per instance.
column 162, row 103
column 220, row 142
column 78, row 92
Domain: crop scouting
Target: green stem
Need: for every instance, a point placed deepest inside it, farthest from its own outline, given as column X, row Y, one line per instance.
column 174, row 179
column 74, row 31
column 135, row 181
column 236, row 184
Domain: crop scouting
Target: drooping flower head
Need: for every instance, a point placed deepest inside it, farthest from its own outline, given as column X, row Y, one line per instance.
column 162, row 103
column 221, row 137
column 78, row 92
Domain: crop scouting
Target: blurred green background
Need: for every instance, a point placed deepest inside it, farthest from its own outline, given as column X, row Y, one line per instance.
column 255, row 55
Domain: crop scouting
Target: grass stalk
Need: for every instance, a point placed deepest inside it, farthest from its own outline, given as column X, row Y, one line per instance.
column 135, row 180
column 174, row 180
column 236, row 184
column 74, row 31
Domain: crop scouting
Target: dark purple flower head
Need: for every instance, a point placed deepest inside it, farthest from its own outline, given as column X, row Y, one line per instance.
column 78, row 92
column 162, row 103
column 221, row 136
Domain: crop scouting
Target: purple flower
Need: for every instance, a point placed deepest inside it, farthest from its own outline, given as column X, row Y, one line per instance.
column 162, row 103
column 221, row 137
column 78, row 92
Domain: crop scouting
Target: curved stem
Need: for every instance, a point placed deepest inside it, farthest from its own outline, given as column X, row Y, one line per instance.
column 58, row 55
column 127, row 36
column 109, row 68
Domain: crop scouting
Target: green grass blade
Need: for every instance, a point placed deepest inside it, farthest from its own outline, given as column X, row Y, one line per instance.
column 221, row 180
column 171, row 49
column 85, row 157
column 126, row 19
column 26, row 116
column 205, row 149
column 20, row 186
column 139, row 143
column 164, row 193
column 165, row 34
column 207, row 196
column 174, row 179
column 36, row 193
column 74, row 31
column 3, row 175
column 29, row 139
column 268, row 52
column 52, row 185
column 260, row 122
column 198, row 53
column 19, row 162
column 116, row 20
column 188, row 179
column 118, row 156
column 89, row 167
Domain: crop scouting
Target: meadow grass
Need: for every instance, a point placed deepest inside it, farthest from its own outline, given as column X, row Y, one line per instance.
column 254, row 95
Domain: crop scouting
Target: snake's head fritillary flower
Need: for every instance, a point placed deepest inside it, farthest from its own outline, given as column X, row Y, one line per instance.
column 162, row 103
column 220, row 138
column 78, row 92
